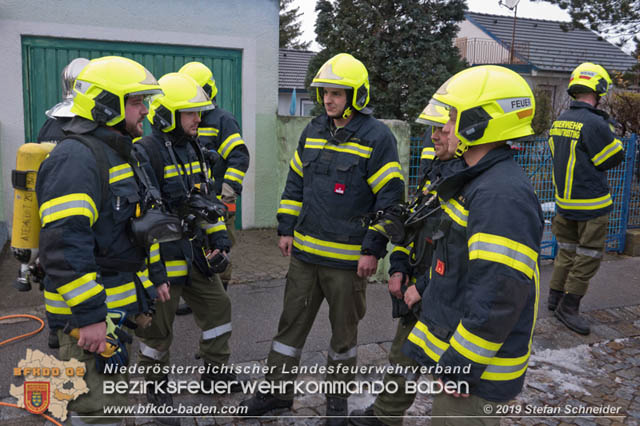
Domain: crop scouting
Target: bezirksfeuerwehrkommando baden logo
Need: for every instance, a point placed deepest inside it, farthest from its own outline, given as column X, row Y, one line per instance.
column 49, row 384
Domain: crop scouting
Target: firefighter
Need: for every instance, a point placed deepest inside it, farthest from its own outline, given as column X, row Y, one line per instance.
column 174, row 117
column 219, row 132
column 51, row 131
column 60, row 114
column 345, row 166
column 388, row 408
column 583, row 147
column 479, row 309
column 96, row 278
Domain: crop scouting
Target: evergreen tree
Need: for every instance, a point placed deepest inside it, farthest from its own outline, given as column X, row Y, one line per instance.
column 290, row 27
column 613, row 19
column 406, row 45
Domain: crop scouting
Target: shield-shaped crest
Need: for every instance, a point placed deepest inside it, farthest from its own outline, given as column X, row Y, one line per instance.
column 36, row 396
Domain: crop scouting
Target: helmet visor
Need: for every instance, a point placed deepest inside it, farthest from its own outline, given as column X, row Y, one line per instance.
column 434, row 115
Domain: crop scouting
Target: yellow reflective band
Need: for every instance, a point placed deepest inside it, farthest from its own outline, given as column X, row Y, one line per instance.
column 234, row 175
column 314, row 143
column 607, row 152
column 378, row 228
column 291, row 207
column 351, row 148
column 584, row 204
column 76, row 204
column 229, row 144
column 121, row 295
column 428, row 153
column 177, row 268
column 211, row 228
column 326, row 248
column 430, row 344
column 193, row 167
column 501, row 369
column 120, row 172
column 474, row 347
column 80, row 289
column 385, row 174
column 55, row 304
column 144, row 278
column 401, row 249
column 154, row 253
column 571, row 163
column 207, row 131
column 551, row 146
column 171, row 171
column 455, row 211
column 495, row 248
column 296, row 164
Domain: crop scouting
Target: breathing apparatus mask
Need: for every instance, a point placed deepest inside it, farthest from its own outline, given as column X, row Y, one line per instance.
column 155, row 224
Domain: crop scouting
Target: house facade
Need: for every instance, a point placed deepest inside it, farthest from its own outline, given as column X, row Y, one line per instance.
column 542, row 52
column 292, row 70
column 237, row 39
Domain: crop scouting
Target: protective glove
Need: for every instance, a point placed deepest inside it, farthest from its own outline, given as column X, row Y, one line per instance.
column 119, row 338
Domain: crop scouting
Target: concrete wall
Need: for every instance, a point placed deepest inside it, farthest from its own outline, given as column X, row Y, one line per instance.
column 288, row 131
column 248, row 25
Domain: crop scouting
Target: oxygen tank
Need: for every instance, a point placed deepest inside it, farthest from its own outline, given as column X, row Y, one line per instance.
column 25, row 232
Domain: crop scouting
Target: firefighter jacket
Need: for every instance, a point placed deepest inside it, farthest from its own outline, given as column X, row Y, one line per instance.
column 51, row 130
column 175, row 259
column 336, row 178
column 583, row 147
column 479, row 308
column 427, row 155
column 399, row 259
column 91, row 265
column 219, row 131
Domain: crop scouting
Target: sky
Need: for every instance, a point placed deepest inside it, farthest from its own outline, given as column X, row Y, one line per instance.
column 526, row 9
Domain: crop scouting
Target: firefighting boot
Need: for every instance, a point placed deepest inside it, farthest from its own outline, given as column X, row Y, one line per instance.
column 554, row 299
column 183, row 309
column 568, row 312
column 365, row 417
column 159, row 397
column 262, row 403
column 337, row 413
column 53, row 340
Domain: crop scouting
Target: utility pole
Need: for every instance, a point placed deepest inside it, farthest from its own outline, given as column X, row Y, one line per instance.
column 513, row 5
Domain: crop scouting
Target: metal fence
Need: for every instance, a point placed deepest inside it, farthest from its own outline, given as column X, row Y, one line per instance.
column 535, row 159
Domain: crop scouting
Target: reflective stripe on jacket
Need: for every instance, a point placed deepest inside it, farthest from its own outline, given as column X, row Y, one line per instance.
column 583, row 147
column 85, row 249
column 480, row 305
column 333, row 182
column 219, row 131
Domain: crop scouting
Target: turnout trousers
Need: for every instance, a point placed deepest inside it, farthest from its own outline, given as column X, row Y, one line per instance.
column 397, row 403
column 92, row 403
column 211, row 311
column 307, row 286
column 580, row 249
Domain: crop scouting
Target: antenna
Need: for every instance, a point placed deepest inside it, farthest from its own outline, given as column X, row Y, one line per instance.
column 510, row 4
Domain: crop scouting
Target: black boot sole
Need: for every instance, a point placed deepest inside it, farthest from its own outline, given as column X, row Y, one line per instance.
column 558, row 314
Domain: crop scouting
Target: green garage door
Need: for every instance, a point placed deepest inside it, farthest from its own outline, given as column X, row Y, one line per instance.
column 44, row 58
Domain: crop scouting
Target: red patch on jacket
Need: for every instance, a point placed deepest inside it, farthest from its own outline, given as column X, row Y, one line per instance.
column 440, row 267
column 339, row 188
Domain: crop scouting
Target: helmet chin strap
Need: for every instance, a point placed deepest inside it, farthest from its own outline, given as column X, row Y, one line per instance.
column 347, row 112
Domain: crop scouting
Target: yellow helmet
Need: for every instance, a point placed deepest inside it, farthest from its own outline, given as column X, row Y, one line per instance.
column 180, row 93
column 202, row 75
column 492, row 104
column 588, row 77
column 343, row 71
column 433, row 115
column 102, row 85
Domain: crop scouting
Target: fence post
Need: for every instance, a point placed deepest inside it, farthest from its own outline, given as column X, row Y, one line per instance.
column 626, row 189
